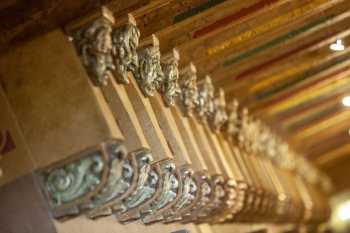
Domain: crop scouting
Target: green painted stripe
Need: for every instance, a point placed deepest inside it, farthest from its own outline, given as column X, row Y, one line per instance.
column 276, row 41
column 196, row 10
column 313, row 118
column 291, row 82
column 310, row 102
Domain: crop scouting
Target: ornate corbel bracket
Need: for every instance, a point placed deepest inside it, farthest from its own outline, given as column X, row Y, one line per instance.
column 144, row 178
column 125, row 40
column 169, row 88
column 93, row 41
column 217, row 198
column 189, row 194
column 203, row 196
column 77, row 184
column 147, row 188
column 169, row 194
column 189, row 91
column 149, row 75
column 226, row 210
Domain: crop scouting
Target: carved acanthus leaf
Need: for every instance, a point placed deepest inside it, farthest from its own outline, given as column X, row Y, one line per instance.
column 75, row 185
column 169, row 192
column 225, row 212
column 147, row 181
column 187, row 196
column 203, row 184
column 120, row 178
column 217, row 197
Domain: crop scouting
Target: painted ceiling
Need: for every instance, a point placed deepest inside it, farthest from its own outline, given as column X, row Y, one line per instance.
column 273, row 56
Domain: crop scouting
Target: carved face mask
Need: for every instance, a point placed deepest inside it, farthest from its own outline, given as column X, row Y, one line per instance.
column 150, row 74
column 94, row 45
column 170, row 87
column 125, row 42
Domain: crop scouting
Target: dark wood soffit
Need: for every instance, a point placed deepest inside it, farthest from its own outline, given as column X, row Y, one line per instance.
column 22, row 20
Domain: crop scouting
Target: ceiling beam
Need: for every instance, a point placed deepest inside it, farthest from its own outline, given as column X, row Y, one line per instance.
column 21, row 20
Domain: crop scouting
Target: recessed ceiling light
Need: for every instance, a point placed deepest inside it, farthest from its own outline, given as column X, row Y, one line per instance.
column 344, row 211
column 337, row 46
column 346, row 101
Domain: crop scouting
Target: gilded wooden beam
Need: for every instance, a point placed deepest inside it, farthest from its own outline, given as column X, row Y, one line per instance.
column 254, row 34
column 285, row 50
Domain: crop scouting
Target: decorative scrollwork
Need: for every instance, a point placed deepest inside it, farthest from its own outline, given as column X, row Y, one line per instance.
column 169, row 192
column 73, row 180
column 94, row 46
column 120, row 178
column 204, row 102
column 150, row 74
column 125, row 43
column 226, row 211
column 187, row 196
column 190, row 189
column 217, row 198
column 71, row 186
column 205, row 191
column 203, row 183
column 170, row 87
column 147, row 182
column 189, row 91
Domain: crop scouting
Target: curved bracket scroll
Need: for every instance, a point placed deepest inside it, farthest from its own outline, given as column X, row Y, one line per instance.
column 71, row 186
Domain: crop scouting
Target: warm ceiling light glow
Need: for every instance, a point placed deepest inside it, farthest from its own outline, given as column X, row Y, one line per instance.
column 337, row 46
column 346, row 101
column 344, row 211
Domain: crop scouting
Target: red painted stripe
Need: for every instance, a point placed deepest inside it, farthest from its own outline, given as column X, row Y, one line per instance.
column 230, row 18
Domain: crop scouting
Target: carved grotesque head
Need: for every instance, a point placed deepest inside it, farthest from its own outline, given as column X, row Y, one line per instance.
column 232, row 127
column 170, row 87
column 94, row 45
column 150, row 74
column 189, row 91
column 219, row 117
column 125, row 43
column 204, row 103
